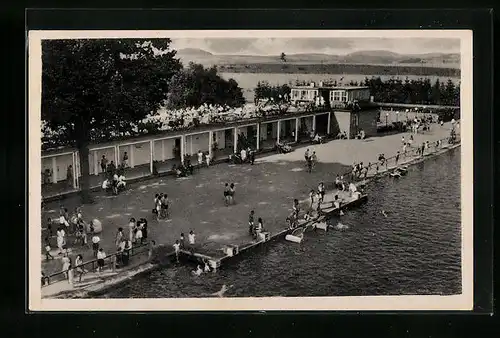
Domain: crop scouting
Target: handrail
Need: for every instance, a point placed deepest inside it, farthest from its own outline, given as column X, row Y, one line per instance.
column 93, row 262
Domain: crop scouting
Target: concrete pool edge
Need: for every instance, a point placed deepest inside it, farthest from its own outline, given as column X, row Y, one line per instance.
column 123, row 277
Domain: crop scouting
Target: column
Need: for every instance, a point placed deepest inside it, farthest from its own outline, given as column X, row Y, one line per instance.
column 54, row 170
column 78, row 168
column 131, row 155
column 258, row 136
column 278, row 131
column 162, row 150
column 210, row 142
column 117, row 156
column 314, row 123
column 151, row 144
column 96, row 163
column 75, row 172
column 183, row 140
column 329, row 122
column 297, row 121
column 235, row 145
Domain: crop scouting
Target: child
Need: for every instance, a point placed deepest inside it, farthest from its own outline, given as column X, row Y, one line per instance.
column 231, row 193
column 250, row 222
column 311, row 197
column 182, row 242
column 321, row 192
column 155, row 203
column 226, row 194
column 48, row 256
column 177, row 249
column 100, row 259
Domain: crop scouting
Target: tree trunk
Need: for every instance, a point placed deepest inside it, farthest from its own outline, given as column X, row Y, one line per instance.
column 83, row 151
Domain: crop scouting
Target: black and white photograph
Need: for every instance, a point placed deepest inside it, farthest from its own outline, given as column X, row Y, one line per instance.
column 250, row 170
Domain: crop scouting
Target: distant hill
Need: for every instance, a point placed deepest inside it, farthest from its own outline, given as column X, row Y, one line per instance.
column 371, row 57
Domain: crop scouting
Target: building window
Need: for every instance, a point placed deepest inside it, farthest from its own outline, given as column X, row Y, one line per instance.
column 338, row 95
column 303, row 95
column 295, row 94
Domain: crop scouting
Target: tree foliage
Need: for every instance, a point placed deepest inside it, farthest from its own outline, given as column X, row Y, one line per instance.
column 197, row 85
column 420, row 91
column 93, row 89
column 277, row 95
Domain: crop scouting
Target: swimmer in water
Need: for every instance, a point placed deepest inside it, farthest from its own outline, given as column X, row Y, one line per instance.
column 221, row 292
column 341, row 226
column 198, row 271
column 383, row 213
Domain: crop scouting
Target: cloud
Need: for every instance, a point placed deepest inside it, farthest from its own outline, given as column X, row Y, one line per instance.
column 274, row 46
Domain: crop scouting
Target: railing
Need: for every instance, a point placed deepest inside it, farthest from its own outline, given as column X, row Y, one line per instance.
column 91, row 266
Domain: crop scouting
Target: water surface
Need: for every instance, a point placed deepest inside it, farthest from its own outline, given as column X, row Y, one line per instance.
column 416, row 249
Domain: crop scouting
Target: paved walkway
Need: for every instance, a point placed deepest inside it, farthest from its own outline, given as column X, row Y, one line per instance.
column 268, row 187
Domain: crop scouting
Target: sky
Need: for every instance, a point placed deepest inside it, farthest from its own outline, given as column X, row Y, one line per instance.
column 336, row 46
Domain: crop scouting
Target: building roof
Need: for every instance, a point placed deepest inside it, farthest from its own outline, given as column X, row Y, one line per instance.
column 331, row 87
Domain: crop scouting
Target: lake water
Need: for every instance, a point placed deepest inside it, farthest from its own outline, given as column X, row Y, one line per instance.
column 248, row 81
column 415, row 249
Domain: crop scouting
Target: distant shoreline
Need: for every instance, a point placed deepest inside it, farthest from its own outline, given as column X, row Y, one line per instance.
column 363, row 69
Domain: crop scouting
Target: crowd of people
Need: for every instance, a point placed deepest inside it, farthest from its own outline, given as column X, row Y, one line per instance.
column 74, row 234
column 84, row 233
column 114, row 176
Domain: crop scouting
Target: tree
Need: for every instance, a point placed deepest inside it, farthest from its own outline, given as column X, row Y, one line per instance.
column 94, row 88
column 277, row 95
column 283, row 57
column 196, row 85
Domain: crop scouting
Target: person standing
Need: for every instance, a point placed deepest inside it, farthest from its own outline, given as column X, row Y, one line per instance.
column 95, row 244
column 251, row 222
column 79, row 267
column 182, row 241
column 191, row 239
column 69, row 175
column 66, row 263
column 252, row 157
column 311, row 197
column 48, row 256
column 207, row 159
column 177, row 249
column 321, row 192
column 125, row 160
column 314, row 159
column 231, row 193
column 104, row 163
column 306, row 156
column 60, row 239
column 226, row 194
column 101, row 255
column 200, row 158
column 119, row 238
column 131, row 228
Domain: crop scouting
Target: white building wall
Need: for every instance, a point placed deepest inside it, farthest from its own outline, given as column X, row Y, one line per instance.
column 95, row 158
column 263, row 131
column 196, row 142
column 220, row 139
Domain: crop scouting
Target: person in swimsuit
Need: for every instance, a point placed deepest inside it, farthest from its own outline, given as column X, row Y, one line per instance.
column 311, row 197
column 177, row 249
column 251, row 222
column 231, row 193
column 226, row 194
column 321, row 192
